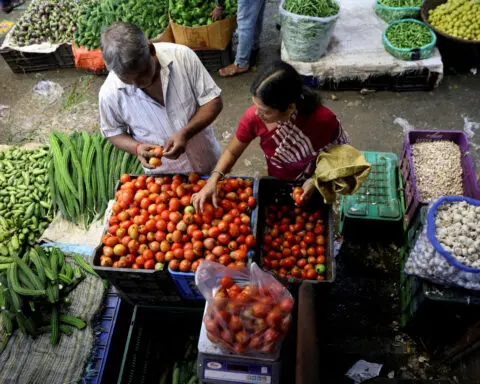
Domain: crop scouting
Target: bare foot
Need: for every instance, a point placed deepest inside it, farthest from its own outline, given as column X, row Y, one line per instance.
column 232, row 70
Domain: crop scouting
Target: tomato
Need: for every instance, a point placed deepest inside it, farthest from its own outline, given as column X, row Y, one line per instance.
column 226, row 282
column 244, row 229
column 225, row 260
column 173, row 264
column 119, row 250
column 311, row 274
column 189, row 254
column 223, row 238
column 309, row 238
column 320, row 259
column 270, row 335
column 149, row 264
column 250, row 241
column 178, row 253
column 142, row 248
column 235, row 324
column 140, row 261
column 160, row 257
column 260, row 310
column 197, row 235
column 125, row 178
column 185, row 266
column 286, row 305
column 209, row 243
column 252, row 202
column 301, row 263
column 320, row 240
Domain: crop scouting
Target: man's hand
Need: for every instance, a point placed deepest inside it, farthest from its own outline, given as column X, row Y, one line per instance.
column 207, row 193
column 175, row 146
column 217, row 13
column 143, row 154
column 308, row 189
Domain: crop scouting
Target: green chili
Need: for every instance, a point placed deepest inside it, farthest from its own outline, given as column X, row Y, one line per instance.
column 409, row 35
column 401, row 3
column 314, row 8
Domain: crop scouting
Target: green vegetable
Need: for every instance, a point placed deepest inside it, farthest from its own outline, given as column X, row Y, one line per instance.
column 196, row 13
column 313, row 8
column 401, row 3
column 408, row 35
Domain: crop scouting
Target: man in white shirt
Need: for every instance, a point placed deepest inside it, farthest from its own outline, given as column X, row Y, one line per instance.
column 158, row 94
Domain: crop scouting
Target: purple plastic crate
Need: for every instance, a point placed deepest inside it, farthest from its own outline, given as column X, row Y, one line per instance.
column 412, row 194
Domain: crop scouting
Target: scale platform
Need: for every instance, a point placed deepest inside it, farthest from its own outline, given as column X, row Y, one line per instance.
column 215, row 366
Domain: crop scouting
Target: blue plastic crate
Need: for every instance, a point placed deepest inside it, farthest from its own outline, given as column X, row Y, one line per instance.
column 103, row 330
column 185, row 281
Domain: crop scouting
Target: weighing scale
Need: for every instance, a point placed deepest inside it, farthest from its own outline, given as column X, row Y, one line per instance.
column 217, row 367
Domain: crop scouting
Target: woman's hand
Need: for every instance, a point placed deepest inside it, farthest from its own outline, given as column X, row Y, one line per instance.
column 308, row 189
column 217, row 13
column 208, row 192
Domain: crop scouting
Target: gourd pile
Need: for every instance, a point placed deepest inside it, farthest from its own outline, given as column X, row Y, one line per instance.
column 460, row 18
column 47, row 21
column 458, row 230
column 83, row 173
column 25, row 201
column 151, row 16
column 438, row 169
column 34, row 288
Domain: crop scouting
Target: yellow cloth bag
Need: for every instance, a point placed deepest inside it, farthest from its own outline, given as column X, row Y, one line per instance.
column 341, row 169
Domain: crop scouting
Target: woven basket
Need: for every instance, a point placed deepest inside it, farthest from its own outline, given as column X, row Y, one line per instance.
column 432, row 4
column 410, row 54
column 390, row 14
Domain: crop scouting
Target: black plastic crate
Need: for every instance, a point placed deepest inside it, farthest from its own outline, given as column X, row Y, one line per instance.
column 422, row 80
column 139, row 286
column 23, row 62
column 156, row 339
column 214, row 60
column 273, row 190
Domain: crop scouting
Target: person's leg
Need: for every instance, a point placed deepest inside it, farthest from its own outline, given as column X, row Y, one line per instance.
column 259, row 25
column 247, row 15
column 6, row 5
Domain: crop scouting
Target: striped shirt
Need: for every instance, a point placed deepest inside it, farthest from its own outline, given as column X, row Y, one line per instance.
column 186, row 86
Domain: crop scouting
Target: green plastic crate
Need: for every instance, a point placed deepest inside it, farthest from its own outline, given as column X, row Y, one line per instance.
column 380, row 197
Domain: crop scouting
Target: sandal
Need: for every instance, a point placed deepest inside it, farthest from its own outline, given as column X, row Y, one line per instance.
column 232, row 70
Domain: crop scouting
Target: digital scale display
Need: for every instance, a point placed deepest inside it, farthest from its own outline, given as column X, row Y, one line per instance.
column 237, row 373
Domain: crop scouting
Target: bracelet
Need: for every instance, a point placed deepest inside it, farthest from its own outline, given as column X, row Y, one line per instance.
column 136, row 148
column 219, row 172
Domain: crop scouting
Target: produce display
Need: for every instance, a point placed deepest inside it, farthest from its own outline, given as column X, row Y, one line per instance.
column 458, row 230
column 25, row 201
column 149, row 15
column 401, row 3
column 83, row 173
column 183, row 371
column 409, row 35
column 460, row 18
column 153, row 223
column 438, row 169
column 49, row 21
column 248, row 319
column 34, row 288
column 293, row 242
column 314, row 8
column 195, row 13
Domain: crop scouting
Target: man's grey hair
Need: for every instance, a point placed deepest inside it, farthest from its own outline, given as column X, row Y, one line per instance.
column 125, row 48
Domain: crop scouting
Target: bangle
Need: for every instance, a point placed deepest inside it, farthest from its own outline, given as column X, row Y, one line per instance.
column 136, row 148
column 219, row 172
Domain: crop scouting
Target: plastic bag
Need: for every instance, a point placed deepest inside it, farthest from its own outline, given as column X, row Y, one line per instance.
column 248, row 311
column 306, row 38
column 430, row 260
column 48, row 90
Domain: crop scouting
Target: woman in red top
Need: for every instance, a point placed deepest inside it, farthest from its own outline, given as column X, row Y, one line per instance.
column 293, row 128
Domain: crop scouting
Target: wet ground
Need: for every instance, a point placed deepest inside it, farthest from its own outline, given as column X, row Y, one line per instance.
column 375, row 122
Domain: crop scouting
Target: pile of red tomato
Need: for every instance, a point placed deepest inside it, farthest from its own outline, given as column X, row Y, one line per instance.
column 248, row 320
column 153, row 223
column 293, row 243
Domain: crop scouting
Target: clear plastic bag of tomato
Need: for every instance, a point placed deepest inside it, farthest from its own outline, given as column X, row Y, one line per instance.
column 249, row 312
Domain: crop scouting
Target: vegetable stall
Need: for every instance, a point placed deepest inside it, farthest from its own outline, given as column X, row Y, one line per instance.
column 232, row 275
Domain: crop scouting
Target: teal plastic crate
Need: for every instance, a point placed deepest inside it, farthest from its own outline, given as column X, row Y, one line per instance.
column 380, row 197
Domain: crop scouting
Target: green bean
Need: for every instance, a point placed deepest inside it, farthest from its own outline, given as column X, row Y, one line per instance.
column 401, row 3
column 314, row 8
column 408, row 35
